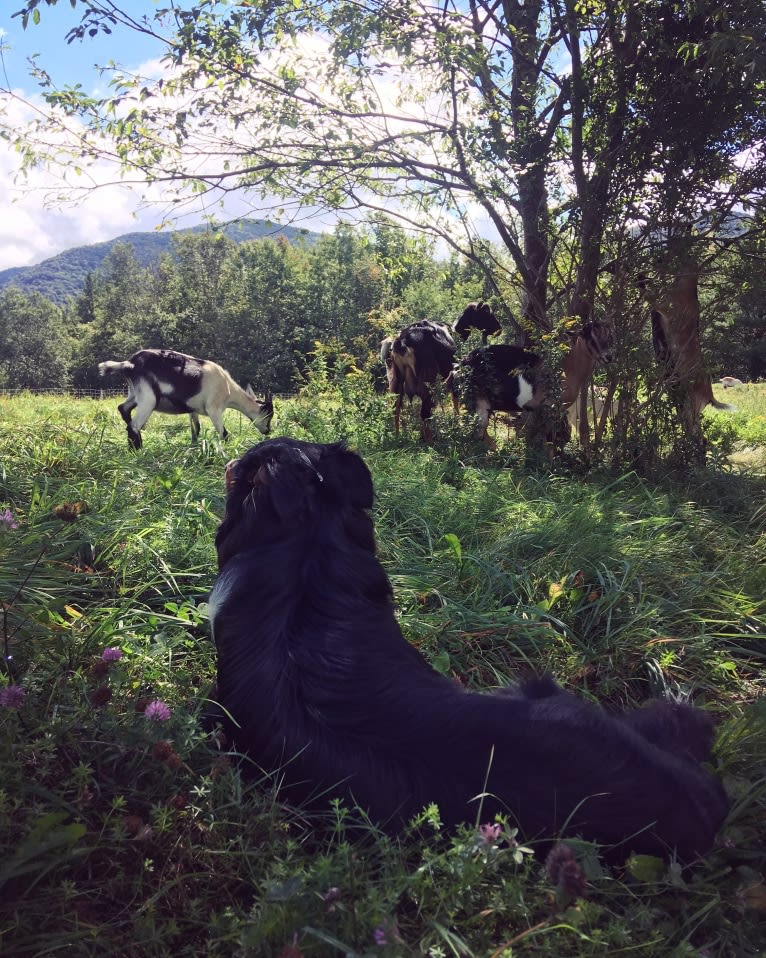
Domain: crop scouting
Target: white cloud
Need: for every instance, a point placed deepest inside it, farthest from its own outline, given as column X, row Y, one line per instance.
column 36, row 224
column 39, row 224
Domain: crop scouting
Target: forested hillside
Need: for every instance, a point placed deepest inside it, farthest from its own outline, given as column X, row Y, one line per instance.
column 259, row 306
column 64, row 275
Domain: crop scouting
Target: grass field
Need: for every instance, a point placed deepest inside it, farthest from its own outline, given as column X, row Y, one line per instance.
column 745, row 423
column 124, row 831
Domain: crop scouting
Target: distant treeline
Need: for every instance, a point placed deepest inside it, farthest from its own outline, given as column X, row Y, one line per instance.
column 257, row 307
column 260, row 307
column 62, row 276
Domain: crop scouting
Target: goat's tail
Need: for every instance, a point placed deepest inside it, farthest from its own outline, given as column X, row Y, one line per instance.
column 111, row 366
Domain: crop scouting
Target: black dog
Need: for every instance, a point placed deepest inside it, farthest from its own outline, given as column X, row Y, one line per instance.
column 326, row 692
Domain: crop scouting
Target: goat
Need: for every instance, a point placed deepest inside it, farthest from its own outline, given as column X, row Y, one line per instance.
column 497, row 378
column 414, row 359
column 477, row 316
column 171, row 382
column 730, row 382
column 495, row 384
column 592, row 345
column 322, row 692
column 675, row 318
column 676, row 343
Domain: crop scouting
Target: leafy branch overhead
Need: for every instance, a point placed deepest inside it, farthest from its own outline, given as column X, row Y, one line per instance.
column 546, row 125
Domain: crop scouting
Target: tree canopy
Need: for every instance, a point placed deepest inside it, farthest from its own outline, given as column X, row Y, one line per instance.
column 558, row 127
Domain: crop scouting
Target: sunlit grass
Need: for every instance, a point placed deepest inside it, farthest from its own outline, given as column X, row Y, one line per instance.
column 126, row 836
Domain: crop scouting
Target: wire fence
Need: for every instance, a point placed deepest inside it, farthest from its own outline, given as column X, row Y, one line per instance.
column 77, row 393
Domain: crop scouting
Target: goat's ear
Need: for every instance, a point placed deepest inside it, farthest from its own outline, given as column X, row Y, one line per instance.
column 249, row 391
column 346, row 477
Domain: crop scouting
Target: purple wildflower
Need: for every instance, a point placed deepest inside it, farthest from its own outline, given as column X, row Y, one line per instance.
column 157, row 711
column 111, row 654
column 7, row 520
column 490, row 833
column 387, row 933
column 12, row 697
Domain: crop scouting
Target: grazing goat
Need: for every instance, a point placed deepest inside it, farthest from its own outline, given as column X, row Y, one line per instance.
column 171, row 382
column 414, row 359
column 497, row 378
column 322, row 692
column 490, row 379
column 730, row 382
column 477, row 316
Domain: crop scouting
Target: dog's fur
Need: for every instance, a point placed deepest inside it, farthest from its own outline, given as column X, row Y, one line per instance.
column 326, row 693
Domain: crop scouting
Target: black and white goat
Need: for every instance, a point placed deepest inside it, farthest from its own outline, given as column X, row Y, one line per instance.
column 477, row 316
column 415, row 359
column 497, row 378
column 503, row 378
column 171, row 382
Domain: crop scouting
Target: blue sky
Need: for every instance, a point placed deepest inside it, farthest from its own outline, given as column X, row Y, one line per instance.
column 39, row 216
column 32, row 230
column 70, row 63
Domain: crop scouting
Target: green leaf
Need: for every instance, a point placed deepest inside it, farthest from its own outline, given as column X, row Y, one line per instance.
column 441, row 662
column 645, row 868
column 454, row 543
column 48, row 835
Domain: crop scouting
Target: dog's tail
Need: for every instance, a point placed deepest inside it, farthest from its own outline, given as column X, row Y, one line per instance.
column 110, row 366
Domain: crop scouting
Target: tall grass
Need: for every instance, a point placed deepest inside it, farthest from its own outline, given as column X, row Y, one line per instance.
column 127, row 835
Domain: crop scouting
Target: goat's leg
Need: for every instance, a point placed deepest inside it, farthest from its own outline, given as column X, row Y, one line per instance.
column 125, row 409
column 426, row 410
column 451, row 385
column 194, row 420
column 483, row 410
column 145, row 403
column 397, row 412
column 134, row 436
column 216, row 417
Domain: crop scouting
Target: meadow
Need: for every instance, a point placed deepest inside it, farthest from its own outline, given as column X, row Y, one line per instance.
column 125, row 828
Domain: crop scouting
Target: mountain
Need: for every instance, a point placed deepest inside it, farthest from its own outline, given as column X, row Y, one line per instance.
column 63, row 275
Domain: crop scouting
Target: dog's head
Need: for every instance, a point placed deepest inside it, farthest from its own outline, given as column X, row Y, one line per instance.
column 285, row 484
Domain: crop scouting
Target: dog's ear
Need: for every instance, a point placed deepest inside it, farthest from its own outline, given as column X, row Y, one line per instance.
column 345, row 477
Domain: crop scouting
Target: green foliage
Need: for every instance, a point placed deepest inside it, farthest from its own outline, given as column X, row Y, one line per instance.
column 124, row 834
column 337, row 401
column 35, row 349
column 63, row 276
column 568, row 132
column 255, row 306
